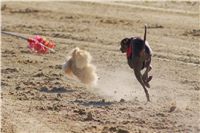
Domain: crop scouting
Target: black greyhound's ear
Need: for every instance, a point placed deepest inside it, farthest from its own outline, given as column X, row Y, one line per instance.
column 125, row 41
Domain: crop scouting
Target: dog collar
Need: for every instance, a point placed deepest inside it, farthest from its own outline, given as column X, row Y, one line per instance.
column 129, row 52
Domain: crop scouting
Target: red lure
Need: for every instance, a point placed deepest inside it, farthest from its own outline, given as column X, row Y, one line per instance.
column 40, row 45
column 37, row 44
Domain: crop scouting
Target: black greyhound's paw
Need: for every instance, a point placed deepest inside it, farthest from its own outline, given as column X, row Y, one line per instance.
column 149, row 79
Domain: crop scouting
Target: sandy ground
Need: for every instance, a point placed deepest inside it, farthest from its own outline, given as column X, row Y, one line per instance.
column 38, row 98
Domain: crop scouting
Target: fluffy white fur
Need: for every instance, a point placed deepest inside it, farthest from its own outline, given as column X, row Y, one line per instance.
column 78, row 64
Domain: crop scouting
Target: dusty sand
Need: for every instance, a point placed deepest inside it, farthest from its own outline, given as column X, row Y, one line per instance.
column 38, row 98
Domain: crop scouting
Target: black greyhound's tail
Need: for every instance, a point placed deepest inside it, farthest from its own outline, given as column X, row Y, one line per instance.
column 145, row 32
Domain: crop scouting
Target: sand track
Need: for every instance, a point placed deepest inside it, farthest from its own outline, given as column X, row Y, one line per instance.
column 38, row 98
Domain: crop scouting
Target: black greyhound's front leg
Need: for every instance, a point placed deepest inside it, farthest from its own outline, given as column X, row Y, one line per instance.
column 139, row 78
column 145, row 76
